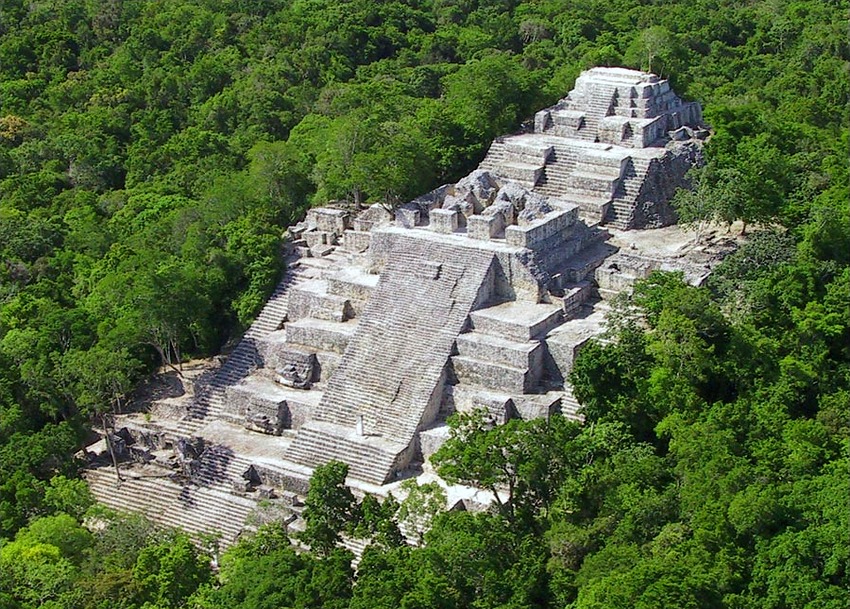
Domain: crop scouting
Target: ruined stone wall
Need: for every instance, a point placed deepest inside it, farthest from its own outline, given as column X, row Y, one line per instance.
column 665, row 176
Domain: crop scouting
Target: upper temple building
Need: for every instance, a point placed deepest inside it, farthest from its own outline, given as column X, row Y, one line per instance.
column 605, row 147
column 475, row 296
column 619, row 107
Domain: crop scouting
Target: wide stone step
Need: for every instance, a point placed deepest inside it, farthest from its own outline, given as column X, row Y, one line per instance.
column 494, row 376
column 317, row 444
column 603, row 172
column 527, row 173
column 321, row 334
column 527, row 150
column 196, row 510
column 519, row 321
column 353, row 284
column 311, row 299
column 592, row 183
column 500, row 350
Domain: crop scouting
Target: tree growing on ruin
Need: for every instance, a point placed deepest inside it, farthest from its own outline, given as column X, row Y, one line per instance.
column 329, row 508
column 518, row 462
column 422, row 504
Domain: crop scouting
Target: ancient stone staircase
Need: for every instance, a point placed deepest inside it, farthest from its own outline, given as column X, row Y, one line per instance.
column 597, row 104
column 394, row 361
column 370, row 459
column 321, row 318
column 561, row 164
column 622, row 208
column 603, row 186
column 210, row 401
column 198, row 510
column 500, row 362
column 521, row 159
column 570, row 407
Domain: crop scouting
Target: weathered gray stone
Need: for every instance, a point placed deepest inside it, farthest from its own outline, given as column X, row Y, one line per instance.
column 462, row 201
column 372, row 217
column 481, row 184
column 328, row 219
column 445, row 221
column 408, row 216
column 314, row 238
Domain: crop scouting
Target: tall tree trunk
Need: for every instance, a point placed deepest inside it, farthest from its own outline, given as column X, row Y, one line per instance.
column 110, row 448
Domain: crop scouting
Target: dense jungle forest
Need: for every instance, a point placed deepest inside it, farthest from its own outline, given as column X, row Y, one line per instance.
column 152, row 155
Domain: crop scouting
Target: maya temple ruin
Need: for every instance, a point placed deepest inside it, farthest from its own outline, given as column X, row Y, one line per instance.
column 478, row 294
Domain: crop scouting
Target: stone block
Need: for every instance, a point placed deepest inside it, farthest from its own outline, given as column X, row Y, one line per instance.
column 527, row 173
column 528, row 151
column 682, row 134
column 499, row 406
column 593, row 184
column 649, row 130
column 353, row 284
column 355, row 241
column 465, row 202
column 261, row 408
column 407, row 217
column 537, row 406
column 430, row 440
column 619, row 272
column 315, row 237
column 562, row 351
column 528, row 354
column 494, row 376
column 296, row 374
column 519, row 321
column 542, row 121
column 320, row 334
column 608, row 161
column 574, row 297
column 552, row 224
column 328, row 219
column 371, row 217
column 573, row 120
column 482, row 185
column 326, row 364
column 485, row 227
column 312, row 300
column 277, row 354
column 444, row 221
column 319, row 251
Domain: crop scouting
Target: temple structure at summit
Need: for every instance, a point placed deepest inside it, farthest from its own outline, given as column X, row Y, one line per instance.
column 605, row 147
column 477, row 295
